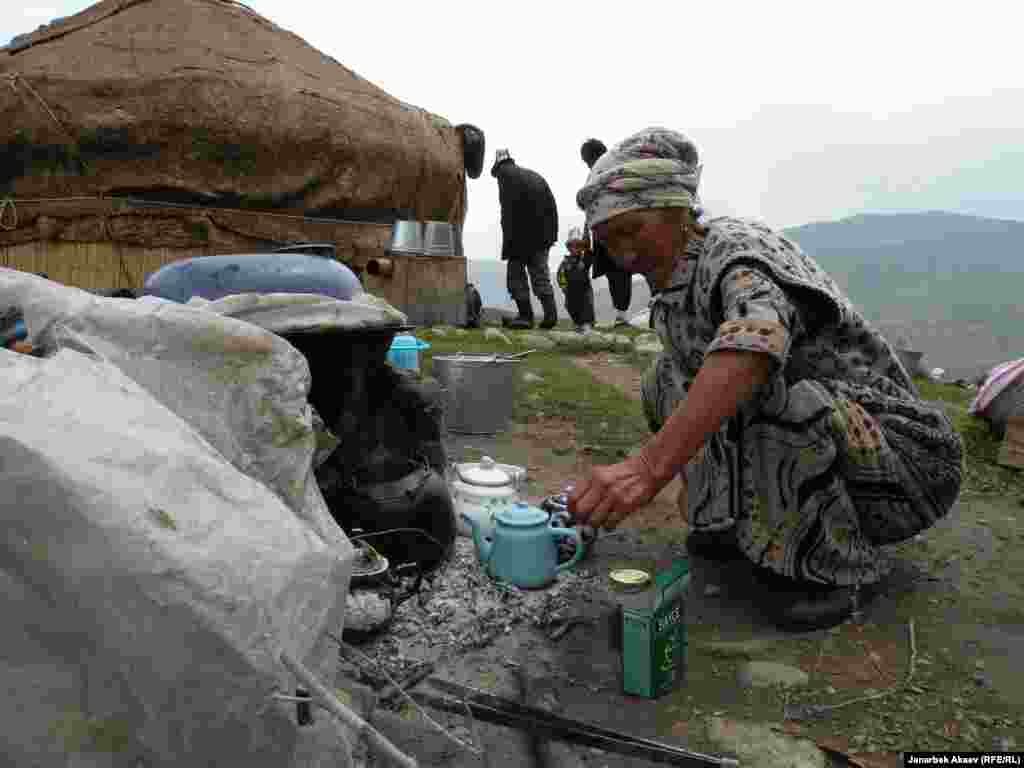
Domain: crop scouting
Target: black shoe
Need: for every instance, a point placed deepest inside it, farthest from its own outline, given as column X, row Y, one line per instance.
column 550, row 313
column 517, row 323
column 803, row 606
column 714, row 545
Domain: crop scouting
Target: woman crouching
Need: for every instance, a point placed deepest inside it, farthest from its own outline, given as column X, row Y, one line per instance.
column 802, row 440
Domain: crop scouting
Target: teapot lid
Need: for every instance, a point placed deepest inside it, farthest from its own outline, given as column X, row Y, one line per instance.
column 521, row 514
column 486, row 473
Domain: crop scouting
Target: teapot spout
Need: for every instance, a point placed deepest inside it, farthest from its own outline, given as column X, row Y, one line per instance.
column 484, row 548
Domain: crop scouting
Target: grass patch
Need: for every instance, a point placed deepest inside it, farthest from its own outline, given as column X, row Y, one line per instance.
column 199, row 230
column 983, row 474
column 237, row 159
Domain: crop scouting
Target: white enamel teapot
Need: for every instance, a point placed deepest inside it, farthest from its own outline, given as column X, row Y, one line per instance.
column 480, row 491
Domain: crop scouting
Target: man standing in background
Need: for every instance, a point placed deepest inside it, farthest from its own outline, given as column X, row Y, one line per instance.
column 620, row 282
column 474, row 306
column 529, row 227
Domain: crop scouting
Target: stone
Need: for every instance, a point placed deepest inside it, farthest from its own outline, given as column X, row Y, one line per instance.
column 564, row 337
column 648, row 345
column 764, row 674
column 537, row 341
column 366, row 610
column 532, row 378
column 1004, row 743
column 495, row 335
column 756, row 744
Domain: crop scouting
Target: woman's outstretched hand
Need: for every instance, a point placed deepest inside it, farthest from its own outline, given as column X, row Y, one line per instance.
column 612, row 493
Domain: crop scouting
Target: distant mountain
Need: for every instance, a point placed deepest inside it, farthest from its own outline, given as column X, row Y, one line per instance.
column 948, row 285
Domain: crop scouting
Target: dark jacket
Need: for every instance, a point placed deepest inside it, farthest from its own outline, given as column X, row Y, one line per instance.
column 529, row 216
column 602, row 262
column 474, row 304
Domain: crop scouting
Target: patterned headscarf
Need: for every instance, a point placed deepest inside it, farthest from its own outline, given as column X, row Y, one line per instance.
column 655, row 168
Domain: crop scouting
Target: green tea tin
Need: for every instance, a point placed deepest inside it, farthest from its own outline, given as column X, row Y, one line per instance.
column 650, row 632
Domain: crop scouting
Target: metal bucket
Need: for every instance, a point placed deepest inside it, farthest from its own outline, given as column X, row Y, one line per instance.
column 479, row 392
column 439, row 239
column 406, row 238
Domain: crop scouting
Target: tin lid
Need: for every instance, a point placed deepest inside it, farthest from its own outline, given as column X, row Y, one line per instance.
column 521, row 515
column 404, row 341
column 486, row 474
column 630, row 578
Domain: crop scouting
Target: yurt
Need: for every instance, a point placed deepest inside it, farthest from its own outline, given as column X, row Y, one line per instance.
column 140, row 132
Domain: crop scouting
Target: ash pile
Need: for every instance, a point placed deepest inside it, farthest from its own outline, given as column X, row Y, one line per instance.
column 460, row 609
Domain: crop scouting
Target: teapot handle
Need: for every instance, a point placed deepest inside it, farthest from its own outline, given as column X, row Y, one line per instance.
column 569, row 533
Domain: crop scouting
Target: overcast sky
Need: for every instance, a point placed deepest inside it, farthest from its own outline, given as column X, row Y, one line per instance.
column 803, row 111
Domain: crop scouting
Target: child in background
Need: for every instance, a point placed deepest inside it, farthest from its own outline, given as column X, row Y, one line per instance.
column 574, row 280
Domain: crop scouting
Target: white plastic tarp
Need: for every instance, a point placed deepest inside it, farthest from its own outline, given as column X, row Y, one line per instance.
column 164, row 539
column 297, row 312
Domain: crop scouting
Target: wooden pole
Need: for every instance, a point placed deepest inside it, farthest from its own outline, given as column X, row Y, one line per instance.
column 380, row 746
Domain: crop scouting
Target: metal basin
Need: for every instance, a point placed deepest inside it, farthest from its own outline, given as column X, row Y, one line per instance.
column 439, row 239
column 406, row 238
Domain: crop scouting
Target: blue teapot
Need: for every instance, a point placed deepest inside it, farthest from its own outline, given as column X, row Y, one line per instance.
column 523, row 551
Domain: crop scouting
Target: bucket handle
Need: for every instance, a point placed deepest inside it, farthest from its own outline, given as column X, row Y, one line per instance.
column 500, row 356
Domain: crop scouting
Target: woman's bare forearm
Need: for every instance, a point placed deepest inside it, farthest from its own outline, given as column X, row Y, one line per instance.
column 726, row 380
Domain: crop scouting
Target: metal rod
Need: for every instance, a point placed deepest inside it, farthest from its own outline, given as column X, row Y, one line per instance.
column 502, row 704
column 558, row 728
column 517, row 355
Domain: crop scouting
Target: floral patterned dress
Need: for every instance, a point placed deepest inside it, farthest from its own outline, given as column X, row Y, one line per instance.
column 837, row 454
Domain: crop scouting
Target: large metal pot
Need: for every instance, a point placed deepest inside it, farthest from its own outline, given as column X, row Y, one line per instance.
column 479, row 392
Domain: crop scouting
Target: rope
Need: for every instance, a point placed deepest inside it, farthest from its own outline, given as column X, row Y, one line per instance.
column 151, row 204
column 8, row 202
column 16, row 77
column 120, row 254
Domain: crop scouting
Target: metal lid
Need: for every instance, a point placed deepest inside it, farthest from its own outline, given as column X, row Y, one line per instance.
column 405, row 341
column 521, row 514
column 630, row 578
column 486, row 474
